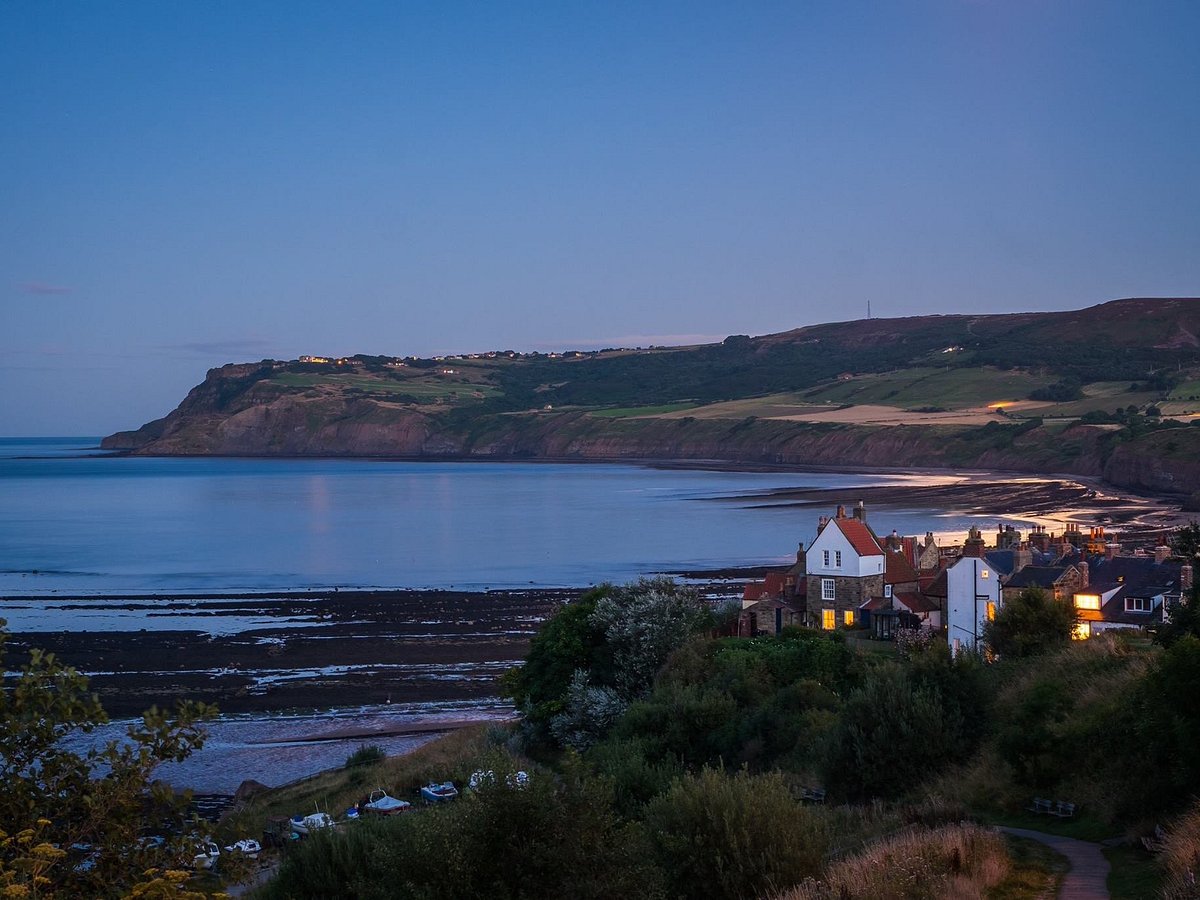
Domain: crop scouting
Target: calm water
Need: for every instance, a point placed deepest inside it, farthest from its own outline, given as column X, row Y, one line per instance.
column 70, row 522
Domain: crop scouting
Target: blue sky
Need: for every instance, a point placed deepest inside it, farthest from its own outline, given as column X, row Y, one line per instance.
column 188, row 184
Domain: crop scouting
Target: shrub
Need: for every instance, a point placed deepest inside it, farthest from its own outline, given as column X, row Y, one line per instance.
column 1181, row 856
column 365, row 755
column 719, row 835
column 1032, row 622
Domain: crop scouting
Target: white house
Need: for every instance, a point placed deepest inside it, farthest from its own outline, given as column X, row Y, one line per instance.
column 972, row 599
column 845, row 567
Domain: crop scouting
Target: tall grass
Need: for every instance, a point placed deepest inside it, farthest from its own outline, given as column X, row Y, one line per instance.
column 1181, row 856
column 956, row 862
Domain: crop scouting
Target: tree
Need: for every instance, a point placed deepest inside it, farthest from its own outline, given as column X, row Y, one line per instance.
column 75, row 822
column 1183, row 620
column 597, row 655
column 1031, row 623
column 1186, row 541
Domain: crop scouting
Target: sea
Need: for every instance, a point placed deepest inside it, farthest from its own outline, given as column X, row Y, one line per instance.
column 75, row 520
column 78, row 522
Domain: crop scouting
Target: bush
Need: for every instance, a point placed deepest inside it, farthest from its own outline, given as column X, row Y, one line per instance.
column 365, row 755
column 719, row 835
column 551, row 838
column 1031, row 623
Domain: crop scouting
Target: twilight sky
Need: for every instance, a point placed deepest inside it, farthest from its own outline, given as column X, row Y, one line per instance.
column 186, row 184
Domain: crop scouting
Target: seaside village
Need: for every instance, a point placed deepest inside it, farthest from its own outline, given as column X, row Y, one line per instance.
column 851, row 578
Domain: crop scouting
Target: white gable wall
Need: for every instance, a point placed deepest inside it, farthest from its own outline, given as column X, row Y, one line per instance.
column 832, row 540
column 970, row 585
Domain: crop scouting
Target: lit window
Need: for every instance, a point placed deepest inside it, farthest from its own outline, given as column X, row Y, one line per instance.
column 848, row 618
column 1137, row 604
column 991, row 611
column 825, row 557
column 1087, row 601
column 1082, row 631
column 983, row 574
column 837, row 558
column 827, row 590
column 828, row 619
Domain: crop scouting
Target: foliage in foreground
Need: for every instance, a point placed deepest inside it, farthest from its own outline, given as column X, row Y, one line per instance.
column 961, row 861
column 1032, row 622
column 557, row 837
column 74, row 822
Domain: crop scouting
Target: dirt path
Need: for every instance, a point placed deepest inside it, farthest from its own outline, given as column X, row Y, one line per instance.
column 1088, row 877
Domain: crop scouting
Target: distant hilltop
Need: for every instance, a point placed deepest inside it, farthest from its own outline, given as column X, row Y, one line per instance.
column 1108, row 391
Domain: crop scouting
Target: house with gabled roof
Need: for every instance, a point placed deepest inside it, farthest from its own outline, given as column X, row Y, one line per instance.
column 1128, row 592
column 845, row 566
column 973, row 597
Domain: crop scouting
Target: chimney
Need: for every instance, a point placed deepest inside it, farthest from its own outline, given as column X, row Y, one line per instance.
column 1111, row 550
column 974, row 544
column 800, row 554
column 860, row 512
column 841, row 512
column 1083, row 571
column 1022, row 557
column 1161, row 552
column 1185, row 577
column 821, row 523
column 894, row 540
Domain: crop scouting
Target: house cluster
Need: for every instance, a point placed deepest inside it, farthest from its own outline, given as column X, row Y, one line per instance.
column 850, row 577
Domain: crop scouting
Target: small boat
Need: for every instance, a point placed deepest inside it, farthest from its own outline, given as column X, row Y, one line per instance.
column 352, row 814
column 380, row 803
column 248, row 847
column 439, row 793
column 207, row 855
column 312, row 822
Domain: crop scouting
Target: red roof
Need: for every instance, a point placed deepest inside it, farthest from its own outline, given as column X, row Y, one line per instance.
column 861, row 538
column 897, row 569
column 875, row 603
column 774, row 583
column 914, row 602
column 754, row 590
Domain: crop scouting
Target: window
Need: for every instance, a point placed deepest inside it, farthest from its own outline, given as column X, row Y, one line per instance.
column 848, row 618
column 827, row 589
column 1087, row 601
column 983, row 573
column 825, row 557
column 828, row 620
column 837, row 558
column 1137, row 604
column 991, row 611
column 887, row 590
column 1082, row 631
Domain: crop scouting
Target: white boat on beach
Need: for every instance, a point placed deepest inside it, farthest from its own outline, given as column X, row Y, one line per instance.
column 439, row 793
column 248, row 847
column 311, row 823
column 382, row 804
column 206, row 856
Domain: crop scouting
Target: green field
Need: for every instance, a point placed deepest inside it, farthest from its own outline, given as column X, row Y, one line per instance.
column 1189, row 390
column 628, row 412
column 1105, row 395
column 920, row 387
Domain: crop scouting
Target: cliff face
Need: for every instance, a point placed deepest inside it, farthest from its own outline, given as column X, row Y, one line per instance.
column 536, row 407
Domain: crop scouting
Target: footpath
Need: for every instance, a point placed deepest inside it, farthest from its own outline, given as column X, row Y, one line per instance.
column 1088, row 877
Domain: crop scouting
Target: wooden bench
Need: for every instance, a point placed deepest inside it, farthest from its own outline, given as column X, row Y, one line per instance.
column 813, row 795
column 1040, row 806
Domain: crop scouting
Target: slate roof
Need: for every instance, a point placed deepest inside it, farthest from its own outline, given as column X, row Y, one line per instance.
column 1037, row 576
column 1003, row 561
